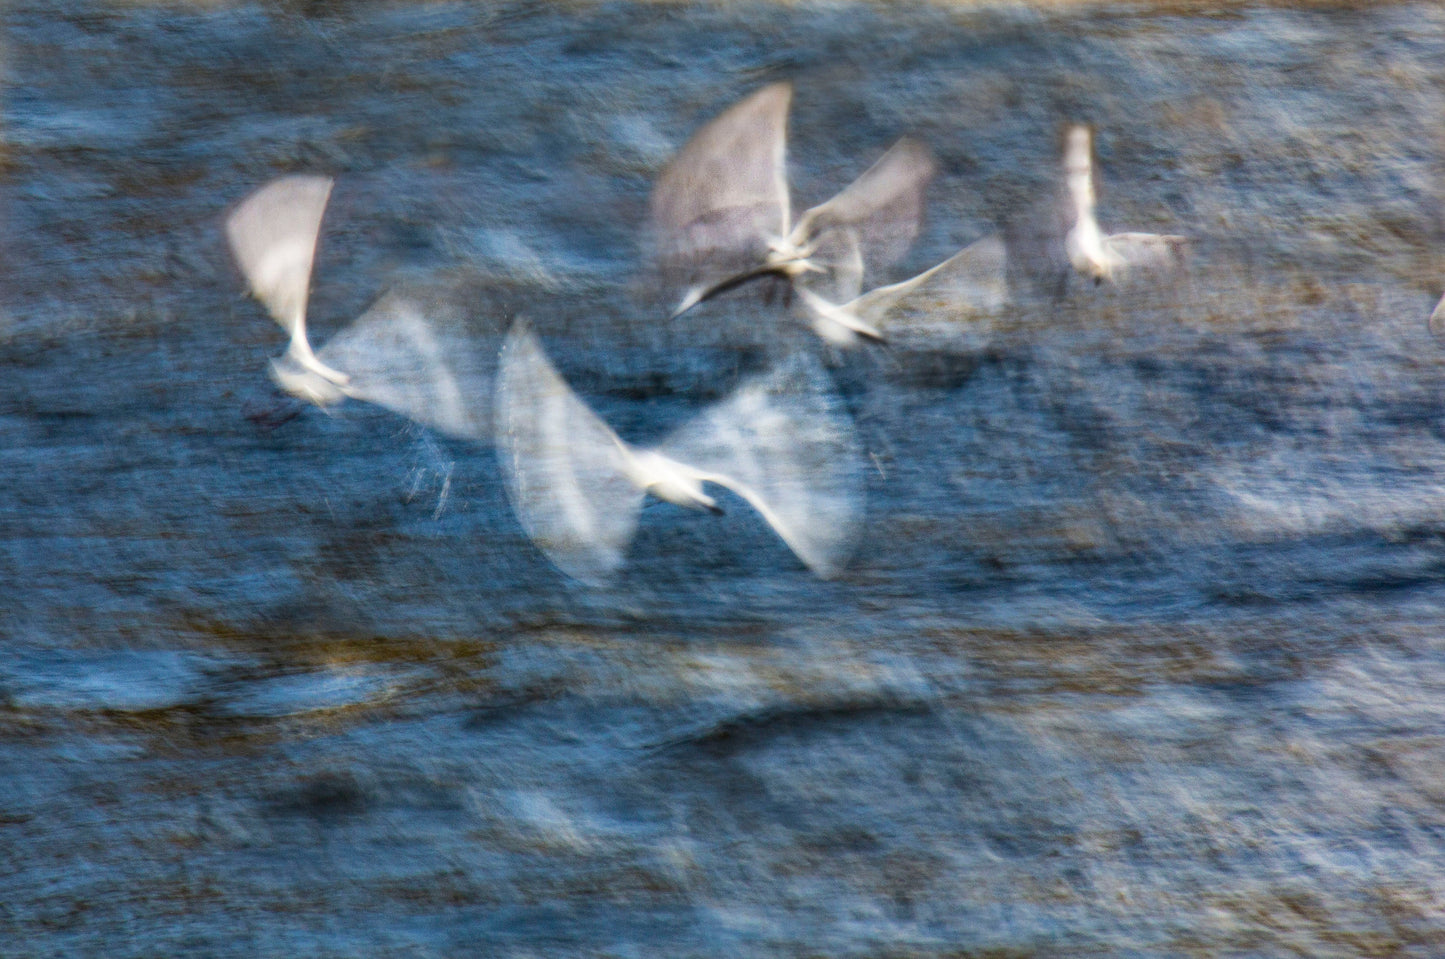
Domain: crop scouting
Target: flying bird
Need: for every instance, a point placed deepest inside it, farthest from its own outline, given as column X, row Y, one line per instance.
column 780, row 442
column 973, row 280
column 273, row 235
column 395, row 355
column 721, row 214
column 1093, row 253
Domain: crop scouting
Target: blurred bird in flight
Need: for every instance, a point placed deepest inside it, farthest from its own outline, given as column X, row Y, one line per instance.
column 721, row 214
column 393, row 355
column 1093, row 253
column 780, row 442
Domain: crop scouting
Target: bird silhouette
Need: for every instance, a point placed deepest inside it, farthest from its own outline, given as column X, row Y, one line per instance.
column 780, row 442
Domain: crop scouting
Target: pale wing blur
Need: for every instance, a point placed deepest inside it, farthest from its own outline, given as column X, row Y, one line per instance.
column 784, row 444
column 839, row 257
column 720, row 201
column 566, row 471
column 273, row 236
column 937, row 307
column 928, row 310
column 398, row 356
column 1145, row 251
column 884, row 207
column 781, row 442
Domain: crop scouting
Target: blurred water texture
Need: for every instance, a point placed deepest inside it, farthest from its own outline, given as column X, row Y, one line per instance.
column 1140, row 653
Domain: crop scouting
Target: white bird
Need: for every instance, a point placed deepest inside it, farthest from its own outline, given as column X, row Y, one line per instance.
column 780, row 442
column 1437, row 318
column 1093, row 253
column 395, row 355
column 721, row 214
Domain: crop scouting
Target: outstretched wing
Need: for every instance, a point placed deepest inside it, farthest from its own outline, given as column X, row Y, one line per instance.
column 725, row 195
column 883, row 207
column 1146, row 251
column 971, row 283
column 1437, row 318
column 565, row 469
column 973, row 280
column 823, row 293
column 399, row 356
column 273, row 236
column 783, row 443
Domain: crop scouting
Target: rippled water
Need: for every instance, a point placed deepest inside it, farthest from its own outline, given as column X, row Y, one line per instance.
column 1140, row 653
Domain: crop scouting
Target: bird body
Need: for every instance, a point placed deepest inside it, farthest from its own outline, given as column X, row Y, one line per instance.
column 668, row 480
